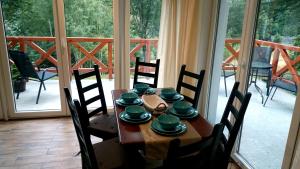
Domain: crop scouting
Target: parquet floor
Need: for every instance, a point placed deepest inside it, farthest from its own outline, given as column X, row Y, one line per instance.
column 40, row 144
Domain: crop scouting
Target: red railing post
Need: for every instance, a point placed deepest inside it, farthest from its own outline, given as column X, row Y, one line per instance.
column 275, row 62
column 110, row 65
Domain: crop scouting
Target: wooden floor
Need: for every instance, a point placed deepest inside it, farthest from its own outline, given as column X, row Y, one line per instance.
column 40, row 144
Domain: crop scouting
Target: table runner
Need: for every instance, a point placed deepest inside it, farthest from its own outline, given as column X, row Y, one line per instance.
column 156, row 146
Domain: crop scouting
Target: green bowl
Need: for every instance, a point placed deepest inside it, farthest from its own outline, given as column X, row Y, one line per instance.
column 168, row 122
column 129, row 97
column 141, row 87
column 135, row 111
column 168, row 92
column 181, row 106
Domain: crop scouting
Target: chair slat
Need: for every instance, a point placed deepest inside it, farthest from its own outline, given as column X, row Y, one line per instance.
column 234, row 111
column 147, row 64
column 93, row 99
column 90, row 87
column 146, row 74
column 94, row 112
column 191, row 74
column 86, row 75
column 239, row 95
column 188, row 86
column 228, row 125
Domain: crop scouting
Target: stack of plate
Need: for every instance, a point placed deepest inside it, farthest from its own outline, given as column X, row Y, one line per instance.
column 176, row 97
column 143, row 118
column 128, row 99
column 178, row 130
column 191, row 113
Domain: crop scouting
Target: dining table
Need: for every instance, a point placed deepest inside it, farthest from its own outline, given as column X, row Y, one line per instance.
column 133, row 135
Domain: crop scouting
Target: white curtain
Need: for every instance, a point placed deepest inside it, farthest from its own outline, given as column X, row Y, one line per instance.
column 179, row 32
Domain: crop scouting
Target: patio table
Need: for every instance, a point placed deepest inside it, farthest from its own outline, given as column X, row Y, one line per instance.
column 133, row 135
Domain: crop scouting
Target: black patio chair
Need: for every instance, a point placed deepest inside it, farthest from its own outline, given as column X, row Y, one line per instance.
column 137, row 72
column 283, row 83
column 214, row 151
column 227, row 73
column 107, row 154
column 30, row 72
column 98, row 121
column 263, row 54
column 196, row 89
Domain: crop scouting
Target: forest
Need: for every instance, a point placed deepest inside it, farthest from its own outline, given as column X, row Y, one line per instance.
column 279, row 20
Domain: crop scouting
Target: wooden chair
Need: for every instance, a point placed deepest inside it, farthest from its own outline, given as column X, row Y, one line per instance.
column 107, row 154
column 283, row 83
column 227, row 73
column 138, row 72
column 195, row 89
column 214, row 151
column 29, row 71
column 98, row 121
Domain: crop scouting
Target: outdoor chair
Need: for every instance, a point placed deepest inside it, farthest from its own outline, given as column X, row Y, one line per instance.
column 139, row 72
column 107, row 154
column 30, row 72
column 262, row 54
column 213, row 151
column 283, row 83
column 195, row 89
column 99, row 122
column 227, row 73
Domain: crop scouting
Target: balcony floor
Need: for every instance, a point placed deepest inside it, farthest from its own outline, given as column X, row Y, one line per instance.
column 261, row 124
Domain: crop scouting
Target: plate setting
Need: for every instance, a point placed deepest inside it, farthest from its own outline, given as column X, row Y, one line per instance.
column 176, row 97
column 121, row 102
column 191, row 113
column 145, row 117
column 178, row 130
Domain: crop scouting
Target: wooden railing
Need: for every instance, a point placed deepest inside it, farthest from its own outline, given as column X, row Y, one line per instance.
column 22, row 43
column 280, row 52
column 232, row 46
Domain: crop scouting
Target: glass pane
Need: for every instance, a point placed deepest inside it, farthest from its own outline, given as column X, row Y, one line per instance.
column 234, row 11
column 275, row 62
column 89, row 27
column 30, row 37
column 144, row 31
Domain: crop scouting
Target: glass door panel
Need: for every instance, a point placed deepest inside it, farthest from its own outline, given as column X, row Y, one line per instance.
column 30, row 37
column 265, row 128
column 89, row 28
column 227, row 56
column 144, row 32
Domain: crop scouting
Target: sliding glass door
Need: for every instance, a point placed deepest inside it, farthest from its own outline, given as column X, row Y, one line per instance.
column 33, row 57
column 262, row 52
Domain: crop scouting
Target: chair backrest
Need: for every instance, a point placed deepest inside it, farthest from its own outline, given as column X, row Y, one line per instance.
column 88, row 157
column 238, row 115
column 195, row 89
column 137, row 72
column 23, row 64
column 262, row 54
column 201, row 154
column 99, row 96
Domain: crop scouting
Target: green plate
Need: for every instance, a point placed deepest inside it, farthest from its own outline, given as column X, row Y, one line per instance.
column 192, row 113
column 138, row 93
column 121, row 102
column 150, row 91
column 145, row 118
column 176, row 97
column 180, row 129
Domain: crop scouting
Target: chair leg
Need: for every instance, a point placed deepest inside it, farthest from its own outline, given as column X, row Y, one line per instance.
column 268, row 82
column 269, row 96
column 44, row 85
column 274, row 93
column 18, row 93
column 38, row 96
